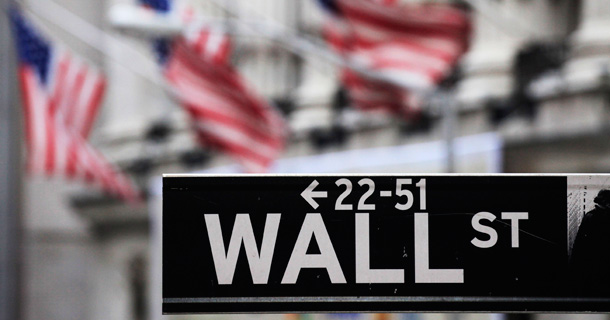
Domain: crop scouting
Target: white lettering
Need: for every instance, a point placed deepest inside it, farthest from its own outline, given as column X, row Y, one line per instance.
column 364, row 273
column 514, row 218
column 327, row 258
column 260, row 264
column 476, row 225
column 423, row 273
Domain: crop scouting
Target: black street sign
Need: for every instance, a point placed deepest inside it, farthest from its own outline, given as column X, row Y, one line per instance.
column 358, row 243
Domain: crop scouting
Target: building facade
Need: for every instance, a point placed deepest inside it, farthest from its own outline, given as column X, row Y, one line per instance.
column 90, row 257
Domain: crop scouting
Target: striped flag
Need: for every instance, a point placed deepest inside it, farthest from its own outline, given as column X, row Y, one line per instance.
column 226, row 114
column 416, row 42
column 61, row 96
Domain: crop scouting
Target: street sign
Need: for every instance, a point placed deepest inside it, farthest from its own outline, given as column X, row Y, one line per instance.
column 358, row 243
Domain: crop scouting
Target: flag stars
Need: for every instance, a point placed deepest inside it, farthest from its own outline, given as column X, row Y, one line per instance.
column 159, row 5
column 32, row 49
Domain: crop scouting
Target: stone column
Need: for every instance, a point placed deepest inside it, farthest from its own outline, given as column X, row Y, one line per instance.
column 590, row 56
column 487, row 66
column 577, row 104
column 500, row 30
column 135, row 95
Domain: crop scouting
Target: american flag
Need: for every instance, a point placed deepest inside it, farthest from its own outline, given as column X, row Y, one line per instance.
column 61, row 96
column 418, row 42
column 226, row 114
column 157, row 5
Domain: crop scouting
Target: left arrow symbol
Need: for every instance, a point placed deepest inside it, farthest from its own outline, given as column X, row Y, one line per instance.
column 308, row 194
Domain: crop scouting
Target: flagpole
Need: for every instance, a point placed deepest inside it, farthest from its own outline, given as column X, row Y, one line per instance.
column 10, row 177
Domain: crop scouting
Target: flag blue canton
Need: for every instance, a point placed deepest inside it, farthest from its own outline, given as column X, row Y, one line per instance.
column 330, row 6
column 32, row 48
column 159, row 5
column 162, row 48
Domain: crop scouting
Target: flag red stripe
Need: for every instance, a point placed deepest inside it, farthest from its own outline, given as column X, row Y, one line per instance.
column 200, row 42
column 191, row 84
column 59, row 81
column 75, row 92
column 238, row 150
column 183, row 70
column 222, row 53
column 218, row 107
column 93, row 106
column 268, row 145
column 213, row 115
column 418, row 50
column 71, row 159
column 426, row 20
column 215, row 77
column 51, row 145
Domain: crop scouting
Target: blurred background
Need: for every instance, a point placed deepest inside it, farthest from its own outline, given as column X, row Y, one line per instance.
column 527, row 91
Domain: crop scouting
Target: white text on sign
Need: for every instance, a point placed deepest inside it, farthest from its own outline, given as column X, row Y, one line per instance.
column 260, row 261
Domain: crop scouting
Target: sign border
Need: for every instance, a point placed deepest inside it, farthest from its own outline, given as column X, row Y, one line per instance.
column 374, row 304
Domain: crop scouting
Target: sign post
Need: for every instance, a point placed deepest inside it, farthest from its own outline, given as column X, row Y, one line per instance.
column 358, row 243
